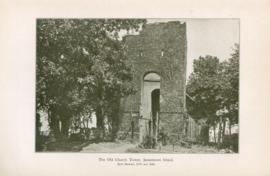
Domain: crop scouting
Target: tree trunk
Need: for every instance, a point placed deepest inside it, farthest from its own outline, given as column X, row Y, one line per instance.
column 99, row 118
column 205, row 134
column 115, row 118
column 223, row 130
column 215, row 138
column 64, row 128
column 38, row 135
column 219, row 131
column 230, row 128
column 100, row 122
column 132, row 130
column 54, row 125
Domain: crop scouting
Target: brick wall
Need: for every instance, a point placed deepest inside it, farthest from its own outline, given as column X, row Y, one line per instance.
column 159, row 48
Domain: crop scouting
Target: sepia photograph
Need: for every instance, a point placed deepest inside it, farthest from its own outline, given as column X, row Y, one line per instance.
column 134, row 88
column 137, row 85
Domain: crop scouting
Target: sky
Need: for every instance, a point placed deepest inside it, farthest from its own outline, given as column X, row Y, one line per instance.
column 214, row 37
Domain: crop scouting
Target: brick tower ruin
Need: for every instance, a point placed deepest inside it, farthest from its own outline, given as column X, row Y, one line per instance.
column 158, row 56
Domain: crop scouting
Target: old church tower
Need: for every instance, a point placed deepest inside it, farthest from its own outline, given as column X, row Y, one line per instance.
column 158, row 56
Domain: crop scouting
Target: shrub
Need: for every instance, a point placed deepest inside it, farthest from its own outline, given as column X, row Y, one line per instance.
column 148, row 142
column 231, row 142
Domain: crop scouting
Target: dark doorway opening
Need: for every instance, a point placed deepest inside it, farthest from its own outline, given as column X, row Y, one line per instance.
column 155, row 96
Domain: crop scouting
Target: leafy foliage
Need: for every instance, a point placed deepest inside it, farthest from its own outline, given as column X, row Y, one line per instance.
column 81, row 66
column 231, row 91
column 213, row 88
column 205, row 87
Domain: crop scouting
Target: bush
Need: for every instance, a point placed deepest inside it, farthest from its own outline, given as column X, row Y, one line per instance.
column 231, row 142
column 98, row 134
column 148, row 142
column 163, row 138
column 40, row 142
column 76, row 137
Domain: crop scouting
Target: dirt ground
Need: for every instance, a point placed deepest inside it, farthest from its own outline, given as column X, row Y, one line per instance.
column 108, row 147
column 128, row 147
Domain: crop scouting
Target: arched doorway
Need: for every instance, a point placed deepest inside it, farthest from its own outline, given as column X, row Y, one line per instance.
column 150, row 104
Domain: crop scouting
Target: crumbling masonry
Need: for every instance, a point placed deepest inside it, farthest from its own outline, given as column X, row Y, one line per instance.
column 158, row 56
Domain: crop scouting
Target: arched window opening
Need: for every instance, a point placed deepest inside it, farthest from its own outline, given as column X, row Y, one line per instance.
column 152, row 77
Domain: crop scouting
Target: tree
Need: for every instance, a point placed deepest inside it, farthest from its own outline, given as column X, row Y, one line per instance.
column 81, row 63
column 204, row 86
column 231, row 91
column 213, row 87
